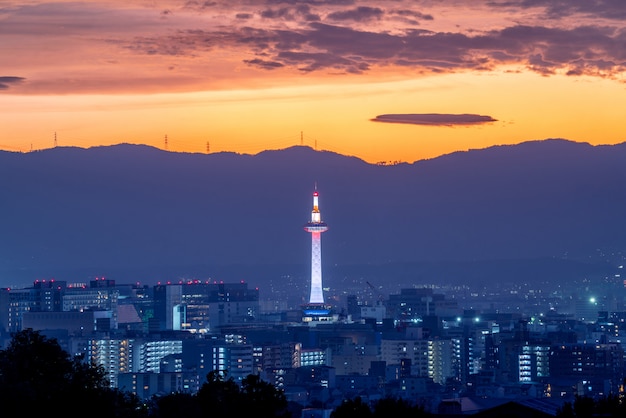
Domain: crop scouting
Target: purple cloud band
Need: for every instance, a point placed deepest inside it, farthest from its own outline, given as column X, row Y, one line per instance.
column 332, row 37
column 580, row 50
column 435, row 119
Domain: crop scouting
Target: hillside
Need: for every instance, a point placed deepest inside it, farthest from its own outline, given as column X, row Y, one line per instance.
column 137, row 211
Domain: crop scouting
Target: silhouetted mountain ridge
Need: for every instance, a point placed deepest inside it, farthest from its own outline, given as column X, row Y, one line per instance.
column 138, row 208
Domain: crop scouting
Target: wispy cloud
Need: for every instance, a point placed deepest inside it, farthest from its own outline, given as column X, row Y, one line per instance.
column 435, row 119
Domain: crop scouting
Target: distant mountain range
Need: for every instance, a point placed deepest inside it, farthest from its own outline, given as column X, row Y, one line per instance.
column 137, row 212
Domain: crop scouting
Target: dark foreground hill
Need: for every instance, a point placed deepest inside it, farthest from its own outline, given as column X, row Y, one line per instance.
column 138, row 212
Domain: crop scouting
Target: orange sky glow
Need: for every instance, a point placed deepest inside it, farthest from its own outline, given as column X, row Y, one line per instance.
column 247, row 76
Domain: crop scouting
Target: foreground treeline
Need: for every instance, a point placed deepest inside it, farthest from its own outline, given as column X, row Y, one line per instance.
column 586, row 407
column 384, row 408
column 256, row 398
column 38, row 377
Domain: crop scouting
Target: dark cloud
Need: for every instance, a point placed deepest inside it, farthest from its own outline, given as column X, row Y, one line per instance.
column 315, row 2
column 597, row 51
column 435, row 119
column 282, row 13
column 360, row 14
column 7, row 81
column 412, row 14
column 350, row 42
column 267, row 65
column 581, row 50
column 299, row 12
column 200, row 5
column 558, row 9
column 313, row 61
column 308, row 16
column 315, row 46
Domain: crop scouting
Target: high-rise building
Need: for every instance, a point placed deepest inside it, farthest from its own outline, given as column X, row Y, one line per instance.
column 316, row 309
column 235, row 361
column 202, row 307
column 590, row 369
column 114, row 355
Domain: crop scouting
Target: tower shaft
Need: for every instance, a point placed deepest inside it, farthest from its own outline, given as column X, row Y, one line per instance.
column 317, row 294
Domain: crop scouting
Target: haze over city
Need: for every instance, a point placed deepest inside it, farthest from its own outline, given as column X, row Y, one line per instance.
column 379, row 80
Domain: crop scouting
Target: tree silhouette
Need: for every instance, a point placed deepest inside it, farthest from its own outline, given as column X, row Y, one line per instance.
column 176, row 405
column 398, row 408
column 262, row 399
column 587, row 407
column 352, row 408
column 611, row 406
column 383, row 408
column 38, row 377
column 220, row 397
column 566, row 411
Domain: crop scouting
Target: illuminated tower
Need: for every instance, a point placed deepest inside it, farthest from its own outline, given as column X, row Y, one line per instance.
column 316, row 227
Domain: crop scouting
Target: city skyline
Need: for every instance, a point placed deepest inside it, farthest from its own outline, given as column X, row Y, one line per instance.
column 380, row 80
column 455, row 342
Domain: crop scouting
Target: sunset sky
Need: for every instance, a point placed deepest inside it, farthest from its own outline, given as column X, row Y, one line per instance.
column 395, row 80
